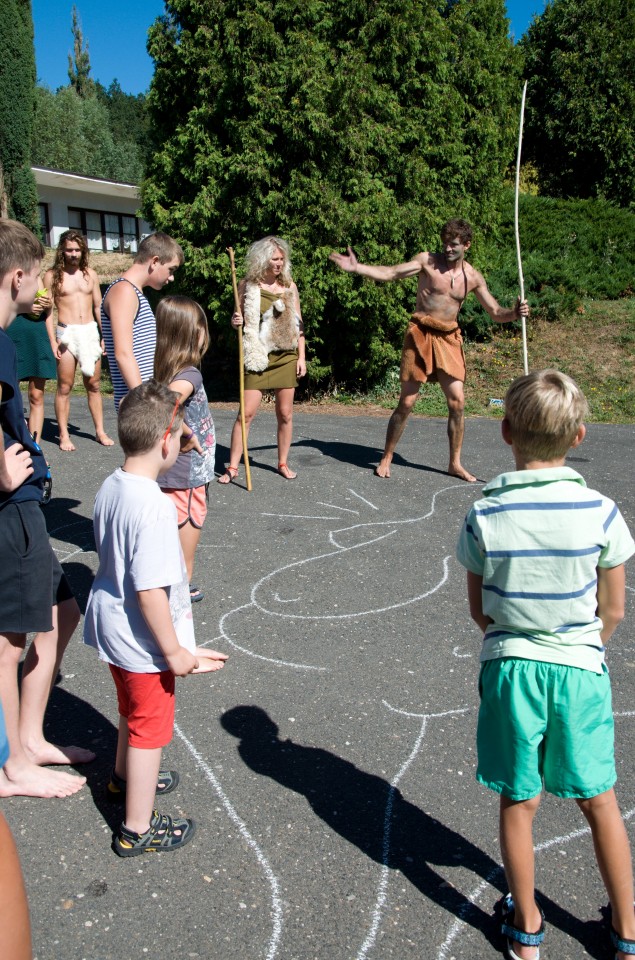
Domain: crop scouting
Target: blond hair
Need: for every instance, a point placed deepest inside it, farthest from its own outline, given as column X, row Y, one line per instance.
column 159, row 245
column 544, row 409
column 19, row 248
column 144, row 416
column 258, row 258
column 180, row 322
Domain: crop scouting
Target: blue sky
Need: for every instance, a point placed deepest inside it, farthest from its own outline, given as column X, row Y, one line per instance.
column 116, row 35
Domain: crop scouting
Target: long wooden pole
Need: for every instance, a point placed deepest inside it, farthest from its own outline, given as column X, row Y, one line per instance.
column 241, row 371
column 520, row 264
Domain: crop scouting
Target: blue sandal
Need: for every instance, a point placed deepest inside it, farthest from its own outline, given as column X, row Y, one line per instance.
column 513, row 934
column 626, row 946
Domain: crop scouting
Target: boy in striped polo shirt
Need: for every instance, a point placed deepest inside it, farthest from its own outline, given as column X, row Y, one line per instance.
column 545, row 578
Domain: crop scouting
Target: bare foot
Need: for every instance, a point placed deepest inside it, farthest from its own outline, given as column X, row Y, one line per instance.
column 49, row 753
column 105, row 440
column 285, row 472
column 461, row 473
column 66, row 444
column 382, row 469
column 209, row 660
column 33, row 781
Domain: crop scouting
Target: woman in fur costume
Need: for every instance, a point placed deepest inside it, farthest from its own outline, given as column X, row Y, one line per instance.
column 273, row 345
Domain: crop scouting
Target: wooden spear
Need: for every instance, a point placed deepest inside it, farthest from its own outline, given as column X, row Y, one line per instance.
column 241, row 371
column 520, row 265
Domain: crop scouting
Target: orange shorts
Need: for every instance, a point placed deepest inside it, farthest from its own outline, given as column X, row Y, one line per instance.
column 191, row 505
column 146, row 700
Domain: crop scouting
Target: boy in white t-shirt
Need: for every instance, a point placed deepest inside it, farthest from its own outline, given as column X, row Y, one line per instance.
column 139, row 615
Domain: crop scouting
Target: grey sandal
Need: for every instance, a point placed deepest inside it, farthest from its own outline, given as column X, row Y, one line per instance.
column 164, row 835
column 116, row 790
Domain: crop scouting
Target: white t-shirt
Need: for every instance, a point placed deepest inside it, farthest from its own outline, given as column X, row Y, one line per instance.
column 137, row 540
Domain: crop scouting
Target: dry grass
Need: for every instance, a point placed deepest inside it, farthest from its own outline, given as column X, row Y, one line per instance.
column 108, row 266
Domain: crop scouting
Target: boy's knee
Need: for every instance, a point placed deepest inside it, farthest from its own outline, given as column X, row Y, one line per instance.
column 601, row 803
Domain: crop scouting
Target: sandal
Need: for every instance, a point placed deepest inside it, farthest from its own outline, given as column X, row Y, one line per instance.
column 230, row 474
column 196, row 594
column 285, row 472
column 116, row 790
column 164, row 835
column 514, row 935
column 626, row 946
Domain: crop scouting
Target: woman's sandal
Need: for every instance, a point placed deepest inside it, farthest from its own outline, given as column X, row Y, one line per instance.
column 230, row 474
column 285, row 472
column 164, row 835
column 167, row 782
column 196, row 594
column 514, row 935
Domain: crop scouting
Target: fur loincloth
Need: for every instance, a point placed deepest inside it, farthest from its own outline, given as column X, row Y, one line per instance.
column 430, row 345
column 82, row 340
column 277, row 331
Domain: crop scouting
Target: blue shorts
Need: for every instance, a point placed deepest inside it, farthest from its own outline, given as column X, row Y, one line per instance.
column 544, row 724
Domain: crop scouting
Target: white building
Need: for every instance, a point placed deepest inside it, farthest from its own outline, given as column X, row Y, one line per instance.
column 104, row 211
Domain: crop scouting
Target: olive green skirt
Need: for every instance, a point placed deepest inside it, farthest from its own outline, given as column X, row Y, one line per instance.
column 32, row 345
column 281, row 374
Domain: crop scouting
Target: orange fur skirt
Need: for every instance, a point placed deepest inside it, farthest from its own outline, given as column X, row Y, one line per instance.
column 427, row 349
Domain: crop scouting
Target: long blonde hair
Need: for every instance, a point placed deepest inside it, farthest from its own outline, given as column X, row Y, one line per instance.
column 258, row 258
column 180, row 322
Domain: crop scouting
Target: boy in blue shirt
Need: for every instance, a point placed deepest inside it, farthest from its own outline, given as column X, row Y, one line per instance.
column 35, row 596
column 546, row 585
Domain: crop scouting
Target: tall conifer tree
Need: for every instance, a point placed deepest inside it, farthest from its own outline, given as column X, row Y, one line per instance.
column 18, row 195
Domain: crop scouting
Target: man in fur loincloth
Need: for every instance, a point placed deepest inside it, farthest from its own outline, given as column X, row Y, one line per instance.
column 76, row 295
column 433, row 346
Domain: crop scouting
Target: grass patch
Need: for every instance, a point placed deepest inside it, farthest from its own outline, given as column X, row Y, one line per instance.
column 595, row 346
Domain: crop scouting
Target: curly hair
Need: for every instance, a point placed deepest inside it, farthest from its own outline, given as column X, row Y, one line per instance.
column 456, row 227
column 259, row 256
column 58, row 264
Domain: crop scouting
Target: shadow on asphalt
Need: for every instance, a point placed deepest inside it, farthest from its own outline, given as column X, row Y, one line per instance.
column 367, row 811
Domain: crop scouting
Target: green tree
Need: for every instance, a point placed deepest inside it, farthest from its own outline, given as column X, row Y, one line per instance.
column 18, row 195
column 128, row 117
column 79, row 61
column 580, row 124
column 74, row 135
column 330, row 123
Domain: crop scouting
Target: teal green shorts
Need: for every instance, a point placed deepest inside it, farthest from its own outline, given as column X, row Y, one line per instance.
column 544, row 724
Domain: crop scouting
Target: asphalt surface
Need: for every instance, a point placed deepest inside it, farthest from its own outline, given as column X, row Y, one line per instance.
column 330, row 764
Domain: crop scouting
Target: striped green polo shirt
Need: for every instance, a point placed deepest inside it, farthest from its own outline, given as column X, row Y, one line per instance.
column 537, row 538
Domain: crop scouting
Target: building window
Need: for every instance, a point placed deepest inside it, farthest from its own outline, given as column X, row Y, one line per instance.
column 45, row 226
column 107, row 232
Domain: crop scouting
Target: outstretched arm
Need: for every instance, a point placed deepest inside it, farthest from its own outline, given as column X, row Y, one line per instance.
column 493, row 307
column 350, row 264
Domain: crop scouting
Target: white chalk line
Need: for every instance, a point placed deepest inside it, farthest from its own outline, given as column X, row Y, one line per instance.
column 382, row 887
column 334, row 506
column 297, row 516
column 363, row 499
column 276, row 902
column 259, row 656
column 475, row 895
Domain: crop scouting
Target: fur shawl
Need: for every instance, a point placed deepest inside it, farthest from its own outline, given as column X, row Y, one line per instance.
column 278, row 330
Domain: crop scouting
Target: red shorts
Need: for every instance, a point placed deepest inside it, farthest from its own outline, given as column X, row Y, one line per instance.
column 191, row 505
column 146, row 701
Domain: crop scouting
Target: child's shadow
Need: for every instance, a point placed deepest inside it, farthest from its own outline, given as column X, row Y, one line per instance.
column 69, row 719
column 356, row 805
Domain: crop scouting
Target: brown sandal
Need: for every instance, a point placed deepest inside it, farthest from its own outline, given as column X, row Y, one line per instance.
column 230, row 474
column 285, row 472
